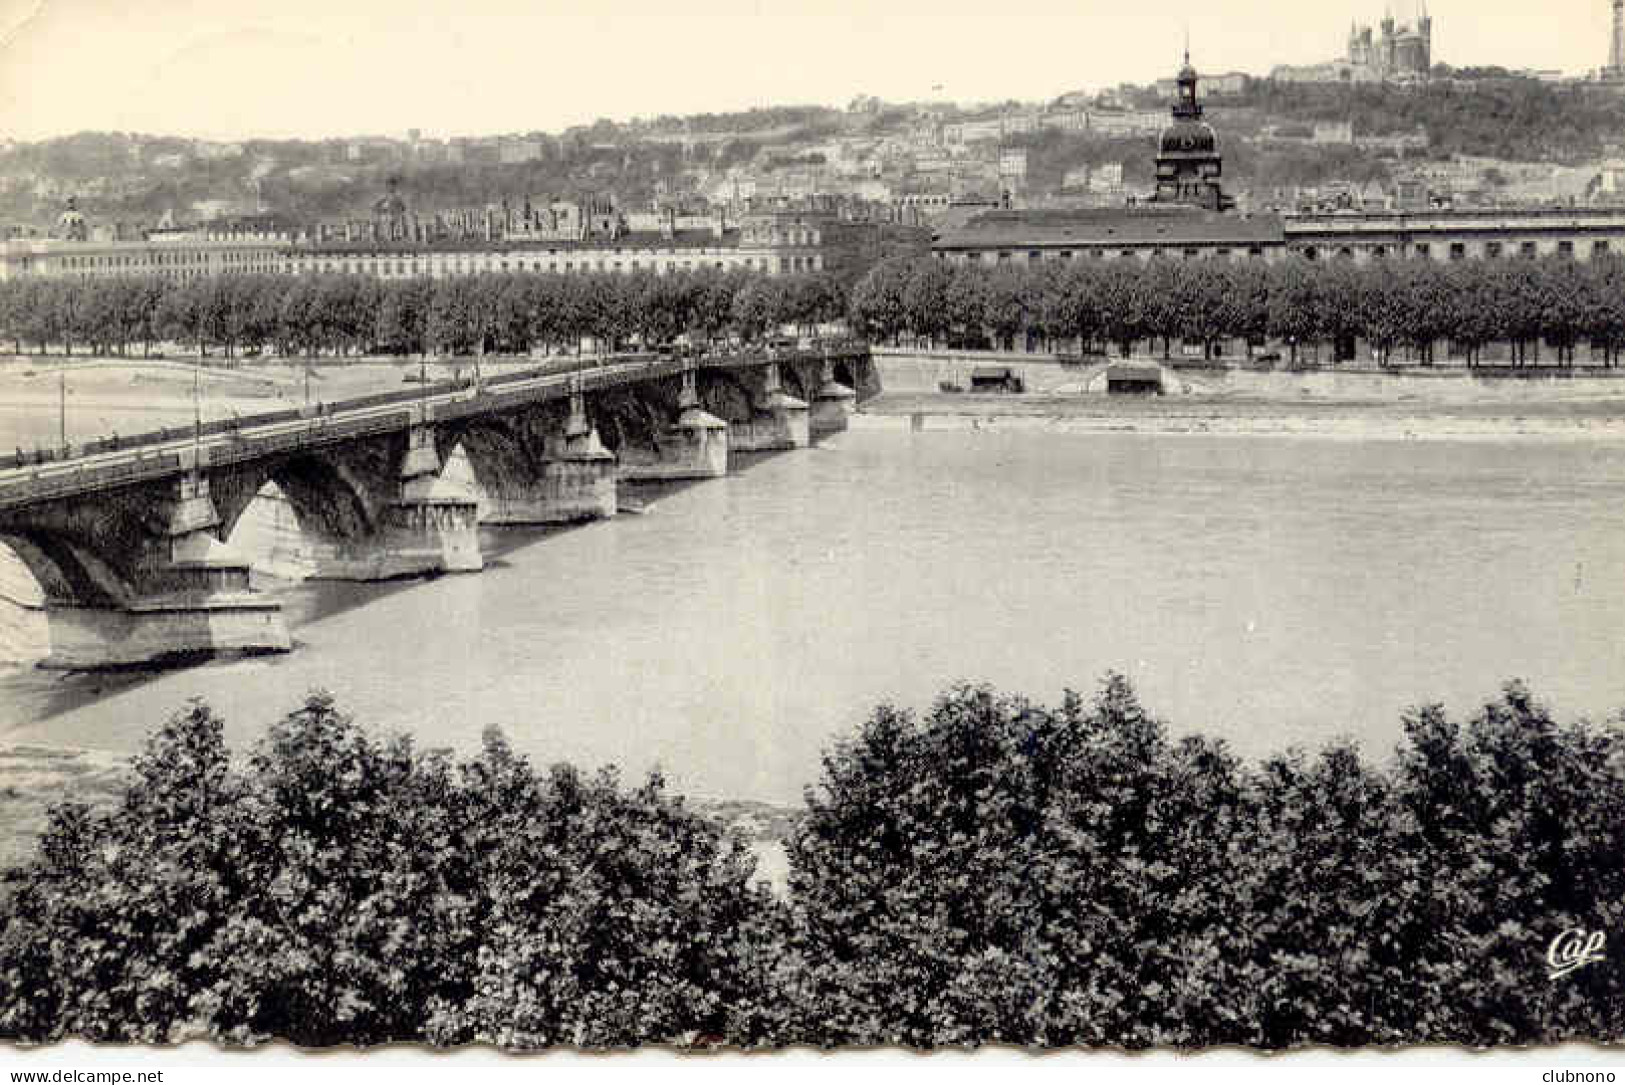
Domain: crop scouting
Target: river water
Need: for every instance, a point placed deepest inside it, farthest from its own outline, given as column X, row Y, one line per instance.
column 1272, row 591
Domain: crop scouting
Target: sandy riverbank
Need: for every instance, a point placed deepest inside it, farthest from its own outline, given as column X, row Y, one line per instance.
column 127, row 396
column 1579, row 418
column 35, row 778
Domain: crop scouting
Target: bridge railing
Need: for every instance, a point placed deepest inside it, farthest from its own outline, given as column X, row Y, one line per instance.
column 323, row 433
column 78, row 479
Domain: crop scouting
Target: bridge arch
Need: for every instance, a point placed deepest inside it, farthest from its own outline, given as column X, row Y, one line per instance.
column 795, row 379
column 725, row 395
column 51, row 590
column 324, row 494
column 64, row 572
column 496, row 450
column 631, row 418
column 486, row 461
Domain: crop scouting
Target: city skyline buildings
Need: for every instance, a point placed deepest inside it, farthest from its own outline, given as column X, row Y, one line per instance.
column 237, row 69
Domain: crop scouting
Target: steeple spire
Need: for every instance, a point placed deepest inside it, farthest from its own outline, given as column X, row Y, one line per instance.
column 1186, row 104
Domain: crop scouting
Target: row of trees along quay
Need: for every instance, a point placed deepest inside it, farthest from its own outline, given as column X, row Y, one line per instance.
column 993, row 871
column 346, row 314
column 1403, row 309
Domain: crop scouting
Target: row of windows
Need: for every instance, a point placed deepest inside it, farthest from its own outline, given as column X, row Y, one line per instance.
column 1457, row 250
column 781, row 235
column 404, row 269
column 189, row 263
column 262, row 258
column 160, row 259
column 1035, row 256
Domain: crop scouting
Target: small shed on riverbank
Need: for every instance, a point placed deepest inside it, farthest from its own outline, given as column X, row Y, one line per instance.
column 995, row 378
column 1134, row 379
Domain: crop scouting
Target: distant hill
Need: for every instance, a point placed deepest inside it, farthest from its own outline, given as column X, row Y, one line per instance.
column 1491, row 115
column 136, row 179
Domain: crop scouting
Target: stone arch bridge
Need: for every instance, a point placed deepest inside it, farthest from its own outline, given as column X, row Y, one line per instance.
column 133, row 545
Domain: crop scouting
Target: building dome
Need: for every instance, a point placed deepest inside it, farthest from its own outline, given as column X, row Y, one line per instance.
column 71, row 224
column 390, row 206
column 1188, row 137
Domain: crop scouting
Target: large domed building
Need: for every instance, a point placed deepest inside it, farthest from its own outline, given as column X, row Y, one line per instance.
column 390, row 220
column 390, row 205
column 71, row 224
column 1189, row 166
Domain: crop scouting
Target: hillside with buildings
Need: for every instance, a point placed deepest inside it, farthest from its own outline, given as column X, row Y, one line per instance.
column 1384, row 127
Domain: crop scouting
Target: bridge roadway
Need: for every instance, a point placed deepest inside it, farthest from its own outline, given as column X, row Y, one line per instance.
column 166, row 453
column 134, row 542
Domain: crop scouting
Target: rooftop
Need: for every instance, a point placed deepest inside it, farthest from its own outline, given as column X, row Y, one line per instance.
column 1111, row 226
column 1550, row 215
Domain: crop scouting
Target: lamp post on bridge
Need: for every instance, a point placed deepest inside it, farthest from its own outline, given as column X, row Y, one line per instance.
column 423, row 385
column 62, row 409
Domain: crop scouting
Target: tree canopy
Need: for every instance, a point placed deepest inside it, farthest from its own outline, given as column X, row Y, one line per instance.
column 1397, row 306
column 994, row 870
column 337, row 313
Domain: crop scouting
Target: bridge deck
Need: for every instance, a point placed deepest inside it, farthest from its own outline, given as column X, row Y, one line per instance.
column 171, row 452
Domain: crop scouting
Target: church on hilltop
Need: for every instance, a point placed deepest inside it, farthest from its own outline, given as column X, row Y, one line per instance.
column 1403, row 51
column 1396, row 51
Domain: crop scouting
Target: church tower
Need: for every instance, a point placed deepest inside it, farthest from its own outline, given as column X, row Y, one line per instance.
column 1189, row 165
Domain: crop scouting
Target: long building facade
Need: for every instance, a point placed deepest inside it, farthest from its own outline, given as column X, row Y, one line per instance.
column 779, row 243
column 193, row 257
column 1146, row 233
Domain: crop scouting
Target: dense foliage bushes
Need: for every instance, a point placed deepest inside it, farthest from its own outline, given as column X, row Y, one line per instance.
column 341, row 313
column 994, row 871
column 339, row 890
column 1001, row 871
column 1397, row 306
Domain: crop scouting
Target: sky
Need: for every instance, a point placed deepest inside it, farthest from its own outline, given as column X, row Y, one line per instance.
column 235, row 69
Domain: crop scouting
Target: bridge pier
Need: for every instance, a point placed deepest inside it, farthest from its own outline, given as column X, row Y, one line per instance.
column 198, row 603
column 432, row 526
column 576, row 480
column 778, row 419
column 434, row 515
column 696, row 445
column 832, row 404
